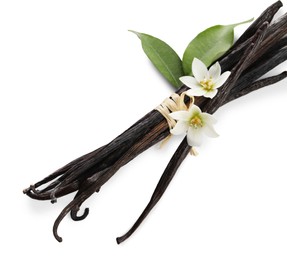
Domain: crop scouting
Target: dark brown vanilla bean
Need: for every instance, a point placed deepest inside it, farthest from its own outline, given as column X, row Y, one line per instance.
column 256, row 85
column 275, row 32
column 270, row 61
column 245, row 60
column 250, row 58
column 243, row 63
column 96, row 183
column 169, row 174
column 277, row 46
column 247, row 78
column 228, row 60
column 83, row 164
column 176, row 160
column 266, row 16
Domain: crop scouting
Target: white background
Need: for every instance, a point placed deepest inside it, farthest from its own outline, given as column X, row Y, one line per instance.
column 72, row 78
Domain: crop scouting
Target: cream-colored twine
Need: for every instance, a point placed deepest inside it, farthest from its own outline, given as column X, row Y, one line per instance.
column 193, row 151
column 172, row 104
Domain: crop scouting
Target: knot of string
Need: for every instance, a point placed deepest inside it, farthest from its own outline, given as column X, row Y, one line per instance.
column 172, row 104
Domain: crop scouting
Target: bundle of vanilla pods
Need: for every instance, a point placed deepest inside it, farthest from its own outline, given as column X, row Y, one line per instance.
column 261, row 48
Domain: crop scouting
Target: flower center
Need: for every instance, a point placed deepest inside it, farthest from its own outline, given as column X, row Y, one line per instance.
column 196, row 122
column 207, row 84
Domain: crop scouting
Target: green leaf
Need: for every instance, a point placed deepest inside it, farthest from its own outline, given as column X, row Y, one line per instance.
column 163, row 57
column 209, row 45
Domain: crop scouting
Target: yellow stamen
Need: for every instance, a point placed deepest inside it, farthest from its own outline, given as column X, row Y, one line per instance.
column 207, row 84
column 196, row 122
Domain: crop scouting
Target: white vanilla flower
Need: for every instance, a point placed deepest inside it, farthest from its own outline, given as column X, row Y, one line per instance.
column 195, row 123
column 205, row 82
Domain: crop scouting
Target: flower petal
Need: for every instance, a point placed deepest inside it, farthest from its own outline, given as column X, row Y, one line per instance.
column 193, row 110
column 208, row 119
column 194, row 136
column 209, row 131
column 222, row 79
column 189, row 81
column 211, row 93
column 180, row 115
column 198, row 91
column 180, row 128
column 215, row 71
column 199, row 70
